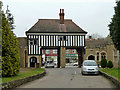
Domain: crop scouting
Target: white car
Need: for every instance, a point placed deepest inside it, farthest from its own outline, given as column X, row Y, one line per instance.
column 89, row 67
column 75, row 64
column 50, row 64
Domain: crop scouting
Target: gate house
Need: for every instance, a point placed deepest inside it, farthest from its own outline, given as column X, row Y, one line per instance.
column 60, row 34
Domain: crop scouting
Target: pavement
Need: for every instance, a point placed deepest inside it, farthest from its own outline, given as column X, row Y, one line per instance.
column 69, row 77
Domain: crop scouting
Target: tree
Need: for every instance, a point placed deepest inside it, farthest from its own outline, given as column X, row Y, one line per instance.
column 0, row 21
column 95, row 36
column 0, row 5
column 114, row 26
column 0, row 40
column 109, row 64
column 10, row 19
column 103, row 63
column 10, row 50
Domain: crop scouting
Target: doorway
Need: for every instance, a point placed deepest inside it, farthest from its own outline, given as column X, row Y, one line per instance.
column 91, row 57
column 33, row 61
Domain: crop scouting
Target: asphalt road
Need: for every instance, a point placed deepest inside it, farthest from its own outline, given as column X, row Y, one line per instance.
column 69, row 77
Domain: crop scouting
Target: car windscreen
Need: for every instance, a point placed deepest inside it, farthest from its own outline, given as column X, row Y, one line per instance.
column 90, row 64
column 49, row 62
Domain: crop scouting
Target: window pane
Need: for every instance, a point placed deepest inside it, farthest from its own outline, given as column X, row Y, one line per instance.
column 47, row 51
column 54, row 51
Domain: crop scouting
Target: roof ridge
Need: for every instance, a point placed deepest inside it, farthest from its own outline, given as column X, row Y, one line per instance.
column 56, row 19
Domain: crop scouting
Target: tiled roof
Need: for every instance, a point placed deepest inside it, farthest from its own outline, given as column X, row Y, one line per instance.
column 53, row 25
column 98, row 42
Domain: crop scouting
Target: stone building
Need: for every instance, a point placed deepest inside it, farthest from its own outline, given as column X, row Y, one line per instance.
column 22, row 42
column 97, row 49
column 71, row 54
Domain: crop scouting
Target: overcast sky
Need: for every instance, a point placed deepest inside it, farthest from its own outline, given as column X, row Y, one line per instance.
column 92, row 16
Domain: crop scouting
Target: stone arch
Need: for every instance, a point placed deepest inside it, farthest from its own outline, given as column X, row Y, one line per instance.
column 33, row 61
column 91, row 57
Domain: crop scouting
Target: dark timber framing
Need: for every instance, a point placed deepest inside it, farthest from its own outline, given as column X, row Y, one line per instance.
column 39, row 41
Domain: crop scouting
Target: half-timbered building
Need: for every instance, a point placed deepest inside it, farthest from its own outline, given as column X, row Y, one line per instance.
column 60, row 34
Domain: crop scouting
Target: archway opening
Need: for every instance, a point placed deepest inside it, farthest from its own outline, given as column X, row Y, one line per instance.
column 33, row 61
column 71, row 57
column 49, row 57
column 91, row 57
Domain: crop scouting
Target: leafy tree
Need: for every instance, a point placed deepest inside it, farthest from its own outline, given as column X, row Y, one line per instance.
column 109, row 64
column 103, row 63
column 95, row 36
column 114, row 26
column 10, row 50
column 0, row 40
column 0, row 21
column 0, row 5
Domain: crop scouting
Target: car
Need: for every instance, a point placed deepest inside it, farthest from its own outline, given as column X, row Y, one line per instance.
column 75, row 64
column 89, row 67
column 49, row 64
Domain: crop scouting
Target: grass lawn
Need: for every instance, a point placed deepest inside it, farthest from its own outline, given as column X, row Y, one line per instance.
column 114, row 72
column 23, row 75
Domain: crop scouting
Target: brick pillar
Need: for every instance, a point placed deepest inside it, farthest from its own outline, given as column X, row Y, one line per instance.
column 58, row 58
column 62, row 56
column 80, row 57
column 40, row 62
column 40, row 58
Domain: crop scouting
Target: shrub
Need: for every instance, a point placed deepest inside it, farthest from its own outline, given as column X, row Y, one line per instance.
column 110, row 64
column 103, row 63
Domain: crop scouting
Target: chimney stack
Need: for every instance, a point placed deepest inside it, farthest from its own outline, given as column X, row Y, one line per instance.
column 61, row 14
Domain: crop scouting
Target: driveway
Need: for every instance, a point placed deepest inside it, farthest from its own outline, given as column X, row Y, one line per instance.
column 69, row 77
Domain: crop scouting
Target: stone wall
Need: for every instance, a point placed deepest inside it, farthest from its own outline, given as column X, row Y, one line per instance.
column 114, row 80
column 16, row 83
column 22, row 42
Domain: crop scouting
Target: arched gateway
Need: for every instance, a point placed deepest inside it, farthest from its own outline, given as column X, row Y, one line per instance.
column 91, row 57
column 33, row 61
column 55, row 34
